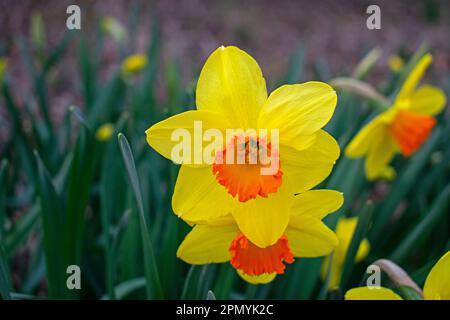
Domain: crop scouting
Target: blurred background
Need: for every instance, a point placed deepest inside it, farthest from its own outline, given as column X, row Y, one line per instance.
column 269, row 30
column 61, row 88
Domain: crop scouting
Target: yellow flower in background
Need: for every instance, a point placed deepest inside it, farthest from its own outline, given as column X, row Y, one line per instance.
column 344, row 231
column 403, row 127
column 437, row 285
column 231, row 93
column 388, row 173
column 134, row 63
column 396, row 63
column 104, row 132
column 3, row 64
column 113, row 27
column 221, row 240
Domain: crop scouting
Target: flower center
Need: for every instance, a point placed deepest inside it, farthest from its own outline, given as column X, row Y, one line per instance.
column 254, row 261
column 410, row 130
column 248, row 167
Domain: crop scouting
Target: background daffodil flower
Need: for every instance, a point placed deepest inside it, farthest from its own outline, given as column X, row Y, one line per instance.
column 396, row 63
column 134, row 63
column 3, row 65
column 437, row 285
column 344, row 231
column 231, row 93
column 306, row 236
column 104, row 132
column 403, row 127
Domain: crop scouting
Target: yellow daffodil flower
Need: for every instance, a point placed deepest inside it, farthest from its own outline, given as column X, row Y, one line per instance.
column 366, row 293
column 437, row 285
column 306, row 236
column 388, row 173
column 344, row 231
column 403, row 127
column 134, row 63
column 396, row 63
column 104, row 132
column 231, row 93
column 3, row 64
column 113, row 27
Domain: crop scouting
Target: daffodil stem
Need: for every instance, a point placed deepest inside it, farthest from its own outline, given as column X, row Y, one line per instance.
column 361, row 89
column 367, row 63
column 398, row 275
column 409, row 293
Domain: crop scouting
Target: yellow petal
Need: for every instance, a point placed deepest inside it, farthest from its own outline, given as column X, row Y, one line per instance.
column 388, row 173
column 307, row 168
column 261, row 279
column 317, row 203
column 298, row 111
column 366, row 293
column 264, row 220
column 198, row 197
column 344, row 230
column 428, row 100
column 437, row 284
column 207, row 244
column 414, row 78
column 336, row 272
column 310, row 237
column 363, row 250
column 231, row 83
column 364, row 139
column 380, row 154
column 186, row 127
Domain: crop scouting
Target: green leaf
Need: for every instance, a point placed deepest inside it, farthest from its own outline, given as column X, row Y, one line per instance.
column 153, row 284
column 3, row 166
column 361, row 229
column 52, row 220
column 324, row 289
column 107, row 99
column 210, row 295
column 125, row 288
column 295, row 67
column 79, row 185
column 424, row 227
column 5, row 281
column 303, row 279
column 88, row 73
column 367, row 63
column 402, row 185
column 195, row 285
column 225, row 281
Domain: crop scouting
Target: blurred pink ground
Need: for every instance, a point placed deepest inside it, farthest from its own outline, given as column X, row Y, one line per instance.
column 330, row 30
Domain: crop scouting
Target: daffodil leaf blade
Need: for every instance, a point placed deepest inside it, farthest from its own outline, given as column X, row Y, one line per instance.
column 153, row 284
column 360, row 233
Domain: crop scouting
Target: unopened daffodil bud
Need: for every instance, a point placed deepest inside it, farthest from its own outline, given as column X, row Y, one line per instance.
column 396, row 63
column 104, row 132
column 134, row 63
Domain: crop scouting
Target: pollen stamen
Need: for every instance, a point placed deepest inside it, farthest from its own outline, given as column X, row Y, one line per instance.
column 242, row 176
